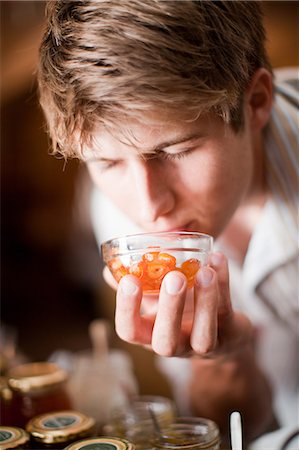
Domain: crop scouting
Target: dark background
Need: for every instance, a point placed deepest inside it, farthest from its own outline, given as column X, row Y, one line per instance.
column 50, row 266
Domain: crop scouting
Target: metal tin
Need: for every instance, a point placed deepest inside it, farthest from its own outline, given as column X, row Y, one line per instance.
column 34, row 376
column 61, row 426
column 104, row 443
column 13, row 438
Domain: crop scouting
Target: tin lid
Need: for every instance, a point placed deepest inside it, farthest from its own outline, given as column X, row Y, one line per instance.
column 34, row 376
column 60, row 426
column 102, row 442
column 12, row 437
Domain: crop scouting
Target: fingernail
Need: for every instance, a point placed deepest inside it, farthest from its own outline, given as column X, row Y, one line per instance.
column 204, row 276
column 216, row 259
column 173, row 283
column 127, row 286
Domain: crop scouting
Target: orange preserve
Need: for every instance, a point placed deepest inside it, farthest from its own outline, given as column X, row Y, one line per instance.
column 153, row 267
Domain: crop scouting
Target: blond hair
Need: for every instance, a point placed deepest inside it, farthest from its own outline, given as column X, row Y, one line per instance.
column 104, row 60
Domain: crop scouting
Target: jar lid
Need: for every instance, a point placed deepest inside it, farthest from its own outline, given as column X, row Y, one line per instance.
column 33, row 376
column 60, row 426
column 104, row 442
column 5, row 391
column 12, row 437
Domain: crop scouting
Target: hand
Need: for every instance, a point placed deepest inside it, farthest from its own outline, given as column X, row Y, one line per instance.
column 176, row 325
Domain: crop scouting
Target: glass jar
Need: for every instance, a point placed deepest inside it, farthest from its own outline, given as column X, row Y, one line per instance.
column 5, row 403
column 58, row 429
column 194, row 433
column 135, row 422
column 102, row 442
column 13, row 438
column 36, row 388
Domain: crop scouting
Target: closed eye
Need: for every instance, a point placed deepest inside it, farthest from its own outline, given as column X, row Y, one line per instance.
column 175, row 156
column 104, row 164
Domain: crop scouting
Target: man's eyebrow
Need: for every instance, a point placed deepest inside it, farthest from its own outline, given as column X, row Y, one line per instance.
column 157, row 148
column 175, row 141
column 98, row 158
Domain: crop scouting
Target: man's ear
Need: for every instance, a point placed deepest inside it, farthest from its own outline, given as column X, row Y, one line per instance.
column 259, row 99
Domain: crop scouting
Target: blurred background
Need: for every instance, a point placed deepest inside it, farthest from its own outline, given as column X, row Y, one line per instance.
column 51, row 285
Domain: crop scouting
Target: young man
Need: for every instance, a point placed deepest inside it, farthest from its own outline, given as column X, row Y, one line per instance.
column 170, row 104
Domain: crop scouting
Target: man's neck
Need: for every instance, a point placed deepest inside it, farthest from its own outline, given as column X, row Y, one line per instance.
column 238, row 233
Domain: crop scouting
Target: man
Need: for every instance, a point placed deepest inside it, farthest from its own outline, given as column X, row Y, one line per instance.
column 170, row 105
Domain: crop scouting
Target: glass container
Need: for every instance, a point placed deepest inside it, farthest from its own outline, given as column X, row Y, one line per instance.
column 150, row 256
column 135, row 423
column 36, row 388
column 189, row 433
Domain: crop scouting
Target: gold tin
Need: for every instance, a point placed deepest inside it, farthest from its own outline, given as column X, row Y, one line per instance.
column 60, row 426
column 34, row 376
column 13, row 438
column 103, row 442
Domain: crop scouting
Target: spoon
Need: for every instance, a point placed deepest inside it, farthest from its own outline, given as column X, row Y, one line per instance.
column 156, row 424
column 236, row 431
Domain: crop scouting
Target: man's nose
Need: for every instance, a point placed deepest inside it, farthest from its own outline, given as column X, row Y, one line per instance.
column 153, row 190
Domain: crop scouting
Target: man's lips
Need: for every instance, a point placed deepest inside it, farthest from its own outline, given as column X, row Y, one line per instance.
column 186, row 227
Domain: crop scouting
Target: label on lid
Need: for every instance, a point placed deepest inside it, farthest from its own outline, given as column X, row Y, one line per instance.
column 59, row 421
column 60, row 426
column 11, row 437
column 102, row 443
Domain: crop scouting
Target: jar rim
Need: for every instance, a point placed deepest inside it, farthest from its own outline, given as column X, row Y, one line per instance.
column 33, row 376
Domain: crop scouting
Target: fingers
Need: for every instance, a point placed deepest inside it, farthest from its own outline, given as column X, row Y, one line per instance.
column 129, row 324
column 213, row 315
column 164, row 326
column 166, row 331
column 219, row 263
column 160, row 330
column 206, row 298
column 234, row 329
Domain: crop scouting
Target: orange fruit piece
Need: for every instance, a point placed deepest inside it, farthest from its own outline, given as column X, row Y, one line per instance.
column 118, row 269
column 190, row 269
column 167, row 259
column 153, row 267
column 137, row 269
column 150, row 256
column 156, row 270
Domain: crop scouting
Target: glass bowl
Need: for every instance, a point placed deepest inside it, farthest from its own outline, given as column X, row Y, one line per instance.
column 150, row 256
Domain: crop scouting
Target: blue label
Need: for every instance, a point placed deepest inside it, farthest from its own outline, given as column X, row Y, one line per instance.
column 5, row 435
column 59, row 422
column 98, row 447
